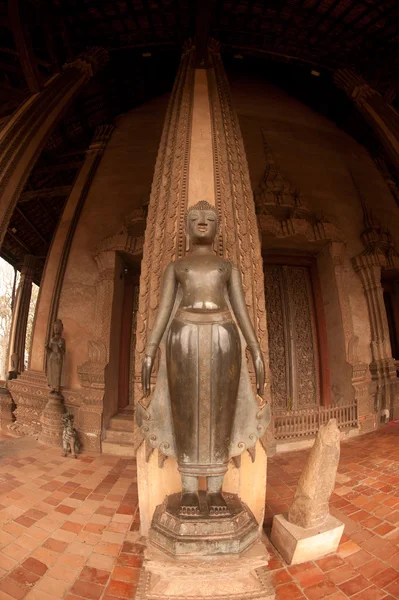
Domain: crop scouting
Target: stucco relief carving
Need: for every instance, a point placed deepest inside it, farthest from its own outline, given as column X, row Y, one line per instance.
column 282, row 209
column 234, row 201
column 92, row 372
column 164, row 239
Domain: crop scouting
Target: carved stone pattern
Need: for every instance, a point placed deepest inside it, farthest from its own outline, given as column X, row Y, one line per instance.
column 305, row 340
column 133, row 380
column 164, row 235
column 234, row 200
column 278, row 354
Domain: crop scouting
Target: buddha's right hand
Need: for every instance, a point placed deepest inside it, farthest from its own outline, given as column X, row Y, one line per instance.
column 146, row 369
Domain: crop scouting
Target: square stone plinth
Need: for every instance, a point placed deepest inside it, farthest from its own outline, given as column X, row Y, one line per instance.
column 224, row 577
column 297, row 545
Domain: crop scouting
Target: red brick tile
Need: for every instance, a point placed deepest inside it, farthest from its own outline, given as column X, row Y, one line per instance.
column 360, row 515
column 355, row 585
column 71, row 526
column 281, row 576
column 95, row 575
column 393, row 517
column 122, row 589
column 371, row 593
column 23, row 576
column 131, row 575
column 393, row 588
column 342, row 574
column 34, row 514
column 132, row 548
column 25, row 521
column 330, row 562
column 94, row 528
column 320, row 590
column 56, row 545
column 63, row 508
column 372, row 568
column 359, row 558
column 310, row 577
column 35, row 566
column 288, row 591
column 384, row 528
column 88, row 590
column 384, row 578
column 132, row 560
column 13, row 588
column 371, row 522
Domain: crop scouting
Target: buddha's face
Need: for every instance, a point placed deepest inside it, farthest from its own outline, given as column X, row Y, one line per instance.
column 202, row 226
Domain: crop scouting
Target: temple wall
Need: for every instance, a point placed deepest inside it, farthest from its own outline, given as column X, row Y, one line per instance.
column 329, row 168
column 121, row 184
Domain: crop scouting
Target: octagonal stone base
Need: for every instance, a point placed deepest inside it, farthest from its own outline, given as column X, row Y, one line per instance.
column 203, row 535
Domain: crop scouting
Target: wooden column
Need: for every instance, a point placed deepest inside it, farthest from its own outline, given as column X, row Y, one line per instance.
column 381, row 116
column 28, row 130
column 20, row 315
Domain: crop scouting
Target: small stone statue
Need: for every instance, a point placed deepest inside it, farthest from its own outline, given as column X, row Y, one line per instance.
column 205, row 411
column 315, row 486
column 70, row 442
column 13, row 372
column 56, row 359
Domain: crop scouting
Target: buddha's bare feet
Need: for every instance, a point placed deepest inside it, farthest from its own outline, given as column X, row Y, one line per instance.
column 189, row 504
column 217, row 505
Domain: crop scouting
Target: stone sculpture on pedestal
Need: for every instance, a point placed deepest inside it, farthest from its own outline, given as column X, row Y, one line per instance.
column 52, row 427
column 56, row 358
column 203, row 412
column 310, row 531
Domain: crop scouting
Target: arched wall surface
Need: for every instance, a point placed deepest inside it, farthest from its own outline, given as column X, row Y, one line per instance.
column 332, row 171
column 122, row 183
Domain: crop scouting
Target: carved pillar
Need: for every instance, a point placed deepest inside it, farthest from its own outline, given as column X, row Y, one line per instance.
column 201, row 156
column 51, row 286
column 20, row 317
column 382, row 367
column 381, row 116
column 26, row 133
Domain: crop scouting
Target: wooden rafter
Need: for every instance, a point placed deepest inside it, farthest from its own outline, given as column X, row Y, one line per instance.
column 31, row 225
column 62, row 190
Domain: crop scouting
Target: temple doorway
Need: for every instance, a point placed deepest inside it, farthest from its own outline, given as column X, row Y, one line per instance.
column 294, row 332
column 131, row 278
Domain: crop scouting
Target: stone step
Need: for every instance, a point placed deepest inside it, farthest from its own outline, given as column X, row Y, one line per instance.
column 120, row 437
column 117, row 449
column 122, row 422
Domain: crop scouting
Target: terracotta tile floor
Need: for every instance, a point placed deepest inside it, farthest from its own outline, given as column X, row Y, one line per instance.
column 69, row 528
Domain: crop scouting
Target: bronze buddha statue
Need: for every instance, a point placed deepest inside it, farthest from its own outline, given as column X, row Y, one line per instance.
column 203, row 410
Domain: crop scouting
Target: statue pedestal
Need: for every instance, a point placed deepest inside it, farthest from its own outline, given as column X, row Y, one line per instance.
column 6, row 408
column 233, row 576
column 51, row 432
column 203, row 535
column 297, row 545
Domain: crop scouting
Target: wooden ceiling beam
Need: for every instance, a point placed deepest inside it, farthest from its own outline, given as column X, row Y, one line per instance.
column 62, row 190
column 31, row 225
column 26, row 55
column 20, row 242
column 60, row 167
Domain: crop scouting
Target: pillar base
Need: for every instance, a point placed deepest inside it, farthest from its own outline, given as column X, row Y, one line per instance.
column 203, row 535
column 227, row 577
column 297, row 545
column 52, row 428
column 6, row 407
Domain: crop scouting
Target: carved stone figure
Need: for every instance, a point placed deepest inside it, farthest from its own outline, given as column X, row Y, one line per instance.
column 70, row 442
column 56, row 359
column 315, row 486
column 203, row 410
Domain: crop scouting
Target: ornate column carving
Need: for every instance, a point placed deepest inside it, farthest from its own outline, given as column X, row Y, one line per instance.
column 20, row 317
column 234, row 200
column 25, row 134
column 382, row 117
column 379, row 254
column 164, row 235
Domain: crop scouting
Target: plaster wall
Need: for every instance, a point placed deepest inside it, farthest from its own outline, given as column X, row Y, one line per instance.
column 328, row 167
column 122, row 183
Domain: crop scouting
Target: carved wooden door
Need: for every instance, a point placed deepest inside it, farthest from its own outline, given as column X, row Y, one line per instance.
column 293, row 340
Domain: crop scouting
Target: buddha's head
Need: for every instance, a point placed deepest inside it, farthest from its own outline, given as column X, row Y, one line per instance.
column 202, row 223
column 58, row 327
